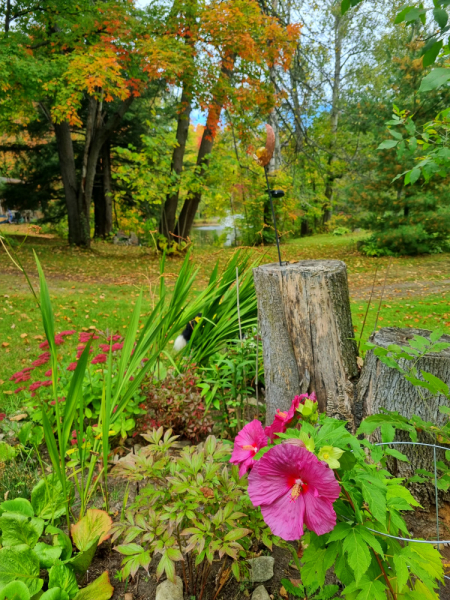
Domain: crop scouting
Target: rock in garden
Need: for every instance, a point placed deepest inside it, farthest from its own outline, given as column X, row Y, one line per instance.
column 170, row 591
column 261, row 568
column 260, row 593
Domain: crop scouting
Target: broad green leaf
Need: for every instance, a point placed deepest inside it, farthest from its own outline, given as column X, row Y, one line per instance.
column 63, row 577
column 387, row 144
column 340, row 532
column 99, row 589
column 55, row 593
column 372, row 590
column 294, row 590
column 358, row 554
column 435, row 79
column 62, row 540
column 20, row 563
column 48, row 498
column 16, row 590
column 48, row 555
column 18, row 505
column 81, row 561
column 430, row 55
column 236, row 534
column 441, row 17
column 401, row 570
column 129, row 549
column 96, row 523
column 18, row 529
column 375, row 498
column 399, row 491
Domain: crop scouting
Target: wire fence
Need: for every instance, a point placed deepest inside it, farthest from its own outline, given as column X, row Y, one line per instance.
column 437, row 542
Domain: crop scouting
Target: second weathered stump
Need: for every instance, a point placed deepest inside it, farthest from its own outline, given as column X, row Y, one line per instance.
column 382, row 387
column 307, row 333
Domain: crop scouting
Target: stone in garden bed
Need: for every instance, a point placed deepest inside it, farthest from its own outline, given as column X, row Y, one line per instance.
column 261, row 568
column 260, row 593
column 170, row 591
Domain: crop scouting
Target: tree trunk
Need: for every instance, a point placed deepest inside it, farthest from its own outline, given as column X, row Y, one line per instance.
column 75, row 214
column 169, row 212
column 190, row 206
column 101, row 194
column 383, row 387
column 307, row 333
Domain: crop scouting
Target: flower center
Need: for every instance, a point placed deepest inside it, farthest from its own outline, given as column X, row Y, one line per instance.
column 253, row 449
column 326, row 456
column 298, row 487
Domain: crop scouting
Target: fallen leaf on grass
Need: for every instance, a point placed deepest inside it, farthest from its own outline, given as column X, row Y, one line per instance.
column 38, row 337
column 23, row 335
column 18, row 417
column 7, row 392
column 283, row 592
column 13, row 326
column 5, row 344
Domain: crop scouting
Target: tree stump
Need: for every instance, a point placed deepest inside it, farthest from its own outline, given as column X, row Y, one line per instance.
column 307, row 335
column 383, row 387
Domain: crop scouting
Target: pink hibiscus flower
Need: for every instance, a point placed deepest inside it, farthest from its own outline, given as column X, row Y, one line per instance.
column 283, row 418
column 294, row 488
column 247, row 443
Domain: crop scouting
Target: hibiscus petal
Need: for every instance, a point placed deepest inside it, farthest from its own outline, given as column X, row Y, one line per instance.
column 285, row 517
column 269, row 478
column 319, row 513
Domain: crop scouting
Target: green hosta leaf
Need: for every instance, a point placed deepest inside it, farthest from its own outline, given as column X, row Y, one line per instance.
column 435, row 79
column 358, row 554
column 18, row 529
column 62, row 540
column 18, row 505
column 81, row 561
column 48, row 555
column 95, row 524
column 63, row 577
column 16, row 590
column 100, row 589
column 48, row 498
column 20, row 563
column 55, row 594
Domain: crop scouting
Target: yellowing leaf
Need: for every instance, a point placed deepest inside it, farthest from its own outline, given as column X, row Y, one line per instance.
column 23, row 335
column 94, row 524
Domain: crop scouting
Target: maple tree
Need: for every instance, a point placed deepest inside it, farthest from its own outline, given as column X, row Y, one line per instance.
column 236, row 46
column 80, row 67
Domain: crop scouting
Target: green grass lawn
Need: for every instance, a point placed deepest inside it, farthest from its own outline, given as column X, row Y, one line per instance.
column 98, row 288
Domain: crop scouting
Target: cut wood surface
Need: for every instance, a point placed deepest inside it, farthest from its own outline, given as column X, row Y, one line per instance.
column 307, row 334
column 381, row 387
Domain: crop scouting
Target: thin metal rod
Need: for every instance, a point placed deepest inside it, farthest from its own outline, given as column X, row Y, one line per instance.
column 382, row 295
column 436, row 496
column 273, row 216
column 367, row 309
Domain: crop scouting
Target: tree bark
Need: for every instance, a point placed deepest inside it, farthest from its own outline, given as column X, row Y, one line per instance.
column 75, row 214
column 100, row 135
column 307, row 333
column 102, row 194
column 383, row 387
column 169, row 212
column 190, row 206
